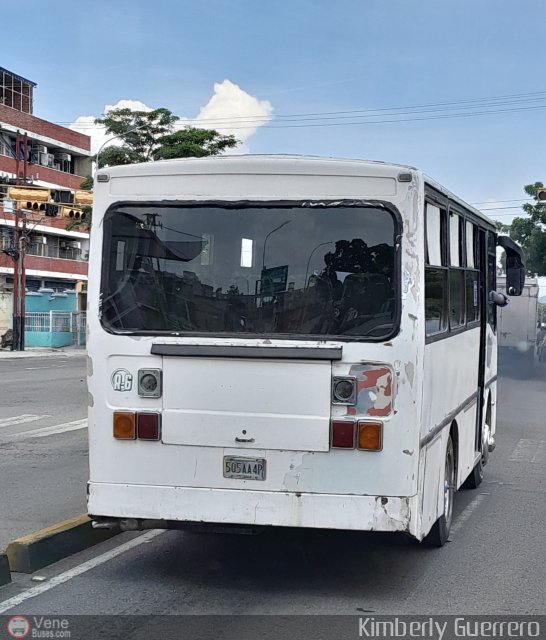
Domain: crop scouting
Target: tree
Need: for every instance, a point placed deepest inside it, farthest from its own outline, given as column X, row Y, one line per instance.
column 151, row 135
column 530, row 233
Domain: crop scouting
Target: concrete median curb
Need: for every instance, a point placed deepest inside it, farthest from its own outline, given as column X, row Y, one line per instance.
column 5, row 574
column 42, row 548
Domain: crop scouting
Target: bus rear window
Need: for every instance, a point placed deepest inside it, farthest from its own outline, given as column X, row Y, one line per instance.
column 299, row 269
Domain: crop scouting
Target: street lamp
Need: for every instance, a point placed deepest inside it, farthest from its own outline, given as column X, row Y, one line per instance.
column 267, row 236
column 310, row 256
column 119, row 135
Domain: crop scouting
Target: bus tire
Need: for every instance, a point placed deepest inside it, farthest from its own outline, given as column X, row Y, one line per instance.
column 439, row 533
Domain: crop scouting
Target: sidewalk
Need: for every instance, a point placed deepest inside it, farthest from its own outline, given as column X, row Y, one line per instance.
column 39, row 352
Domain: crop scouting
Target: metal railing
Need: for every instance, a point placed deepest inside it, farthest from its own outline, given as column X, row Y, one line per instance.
column 73, row 322
column 38, row 321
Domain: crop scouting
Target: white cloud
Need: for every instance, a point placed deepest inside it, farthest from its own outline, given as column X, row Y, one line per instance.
column 134, row 105
column 230, row 110
column 86, row 125
column 233, row 111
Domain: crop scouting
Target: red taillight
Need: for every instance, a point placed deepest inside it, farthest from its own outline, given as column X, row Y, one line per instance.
column 343, row 434
column 148, row 426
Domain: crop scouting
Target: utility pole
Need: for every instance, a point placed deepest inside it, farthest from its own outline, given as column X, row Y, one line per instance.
column 19, row 276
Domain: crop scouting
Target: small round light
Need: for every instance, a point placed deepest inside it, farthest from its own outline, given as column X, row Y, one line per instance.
column 148, row 383
column 343, row 390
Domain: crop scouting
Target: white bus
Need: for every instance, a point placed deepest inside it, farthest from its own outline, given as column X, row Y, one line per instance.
column 288, row 341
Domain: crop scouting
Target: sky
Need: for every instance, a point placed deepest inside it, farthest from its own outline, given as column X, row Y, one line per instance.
column 258, row 69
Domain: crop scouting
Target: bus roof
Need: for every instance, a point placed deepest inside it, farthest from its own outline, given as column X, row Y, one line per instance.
column 264, row 163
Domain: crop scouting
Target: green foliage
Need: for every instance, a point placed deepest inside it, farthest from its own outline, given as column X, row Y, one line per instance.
column 537, row 211
column 532, row 238
column 501, row 227
column 151, row 135
column 87, row 184
column 529, row 232
column 196, row 143
column 139, row 132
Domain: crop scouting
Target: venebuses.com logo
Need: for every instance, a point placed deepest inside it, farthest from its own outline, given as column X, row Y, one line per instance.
column 39, row 627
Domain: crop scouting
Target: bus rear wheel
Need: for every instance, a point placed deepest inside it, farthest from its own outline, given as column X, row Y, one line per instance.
column 439, row 533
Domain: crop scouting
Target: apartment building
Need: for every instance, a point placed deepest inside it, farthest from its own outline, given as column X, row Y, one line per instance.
column 38, row 153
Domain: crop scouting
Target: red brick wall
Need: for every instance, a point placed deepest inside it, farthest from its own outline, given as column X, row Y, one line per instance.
column 56, row 264
column 48, row 264
column 44, row 128
column 6, row 261
column 59, row 178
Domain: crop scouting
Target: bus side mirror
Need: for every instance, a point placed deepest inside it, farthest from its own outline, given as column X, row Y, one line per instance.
column 515, row 267
column 515, row 278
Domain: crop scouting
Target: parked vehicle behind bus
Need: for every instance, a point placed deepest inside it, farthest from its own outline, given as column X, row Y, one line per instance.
column 287, row 341
column 519, row 332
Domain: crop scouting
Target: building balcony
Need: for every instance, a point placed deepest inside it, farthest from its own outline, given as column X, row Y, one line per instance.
column 43, row 174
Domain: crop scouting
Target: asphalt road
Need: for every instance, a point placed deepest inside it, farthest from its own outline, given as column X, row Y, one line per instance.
column 43, row 442
column 494, row 563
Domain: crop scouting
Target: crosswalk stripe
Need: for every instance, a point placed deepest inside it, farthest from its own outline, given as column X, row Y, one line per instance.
column 529, row 451
column 23, row 419
column 75, row 425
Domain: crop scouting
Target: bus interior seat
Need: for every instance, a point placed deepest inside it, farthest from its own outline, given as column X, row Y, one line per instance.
column 368, row 293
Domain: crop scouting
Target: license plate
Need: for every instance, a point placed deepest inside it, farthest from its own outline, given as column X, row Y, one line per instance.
column 245, row 468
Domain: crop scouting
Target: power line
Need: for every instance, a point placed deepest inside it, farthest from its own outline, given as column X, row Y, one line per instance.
column 491, row 201
column 438, row 117
column 501, row 215
column 366, row 113
column 308, row 123
column 498, row 209
column 491, row 104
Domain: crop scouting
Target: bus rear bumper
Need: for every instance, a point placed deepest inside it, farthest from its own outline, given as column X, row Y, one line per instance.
column 145, row 506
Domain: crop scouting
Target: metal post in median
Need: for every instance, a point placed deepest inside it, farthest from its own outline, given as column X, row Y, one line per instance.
column 16, row 291
column 19, row 283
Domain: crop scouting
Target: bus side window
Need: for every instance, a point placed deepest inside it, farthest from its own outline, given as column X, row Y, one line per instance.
column 435, row 271
column 472, row 277
column 456, row 272
column 470, row 245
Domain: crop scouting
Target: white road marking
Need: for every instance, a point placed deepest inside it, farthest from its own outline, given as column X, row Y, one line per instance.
column 529, row 451
column 77, row 571
column 540, row 452
column 50, row 431
column 467, row 512
column 23, row 419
